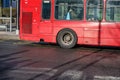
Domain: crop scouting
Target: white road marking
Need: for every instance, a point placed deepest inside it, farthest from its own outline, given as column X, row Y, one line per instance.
column 41, row 69
column 28, row 70
column 106, row 78
column 72, row 75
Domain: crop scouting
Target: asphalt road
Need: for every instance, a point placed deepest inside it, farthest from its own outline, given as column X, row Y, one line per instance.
column 20, row 60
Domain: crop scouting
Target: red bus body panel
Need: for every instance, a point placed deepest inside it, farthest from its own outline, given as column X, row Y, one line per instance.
column 34, row 28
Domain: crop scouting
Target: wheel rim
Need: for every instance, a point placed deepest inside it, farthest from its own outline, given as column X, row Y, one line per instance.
column 67, row 39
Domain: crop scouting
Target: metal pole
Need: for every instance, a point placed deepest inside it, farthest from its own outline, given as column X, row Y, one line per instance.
column 10, row 15
column 17, row 21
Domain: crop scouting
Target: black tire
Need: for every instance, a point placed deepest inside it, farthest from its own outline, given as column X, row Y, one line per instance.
column 67, row 38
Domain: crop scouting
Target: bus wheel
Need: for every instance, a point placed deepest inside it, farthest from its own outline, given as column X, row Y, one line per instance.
column 67, row 38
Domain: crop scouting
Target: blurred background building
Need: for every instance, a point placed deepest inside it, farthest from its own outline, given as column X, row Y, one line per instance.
column 5, row 7
column 8, row 13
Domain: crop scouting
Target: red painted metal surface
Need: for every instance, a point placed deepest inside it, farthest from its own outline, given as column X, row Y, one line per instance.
column 101, row 33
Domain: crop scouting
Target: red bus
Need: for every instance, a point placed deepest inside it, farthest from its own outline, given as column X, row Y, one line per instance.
column 71, row 22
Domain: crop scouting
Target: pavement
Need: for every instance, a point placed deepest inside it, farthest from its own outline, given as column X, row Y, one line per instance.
column 9, row 35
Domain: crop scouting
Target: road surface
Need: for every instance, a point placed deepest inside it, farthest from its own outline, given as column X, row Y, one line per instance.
column 21, row 60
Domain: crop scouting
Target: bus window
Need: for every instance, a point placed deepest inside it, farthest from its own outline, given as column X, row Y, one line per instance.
column 113, row 10
column 46, row 10
column 69, row 9
column 94, row 10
